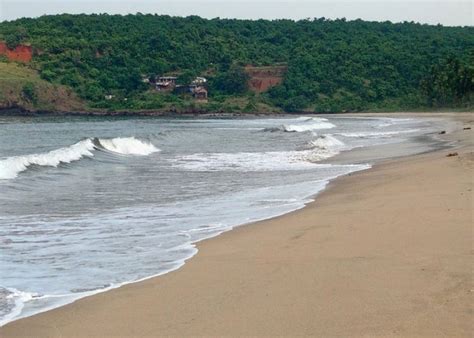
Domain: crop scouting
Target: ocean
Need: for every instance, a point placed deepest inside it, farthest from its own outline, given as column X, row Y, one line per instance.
column 89, row 204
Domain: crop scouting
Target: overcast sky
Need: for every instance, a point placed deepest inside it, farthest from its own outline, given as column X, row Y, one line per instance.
column 446, row 12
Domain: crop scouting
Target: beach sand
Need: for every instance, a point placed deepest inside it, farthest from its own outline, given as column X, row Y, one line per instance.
column 384, row 252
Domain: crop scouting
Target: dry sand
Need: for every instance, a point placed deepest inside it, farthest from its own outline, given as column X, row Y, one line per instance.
column 385, row 252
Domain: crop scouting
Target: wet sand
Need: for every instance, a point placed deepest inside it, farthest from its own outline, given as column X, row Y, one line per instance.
column 384, row 252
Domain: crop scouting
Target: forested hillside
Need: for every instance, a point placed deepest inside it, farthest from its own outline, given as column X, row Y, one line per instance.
column 332, row 65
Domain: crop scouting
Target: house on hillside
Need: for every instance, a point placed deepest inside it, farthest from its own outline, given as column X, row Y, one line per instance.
column 199, row 81
column 165, row 83
column 200, row 94
column 197, row 87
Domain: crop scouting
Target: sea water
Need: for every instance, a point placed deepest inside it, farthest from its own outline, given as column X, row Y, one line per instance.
column 89, row 204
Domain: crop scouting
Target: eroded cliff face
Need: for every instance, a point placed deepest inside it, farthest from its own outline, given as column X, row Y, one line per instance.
column 21, row 53
column 263, row 78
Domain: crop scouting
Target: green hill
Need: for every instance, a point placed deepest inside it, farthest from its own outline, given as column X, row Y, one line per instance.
column 22, row 87
column 332, row 65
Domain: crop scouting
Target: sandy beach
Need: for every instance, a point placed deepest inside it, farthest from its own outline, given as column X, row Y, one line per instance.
column 383, row 252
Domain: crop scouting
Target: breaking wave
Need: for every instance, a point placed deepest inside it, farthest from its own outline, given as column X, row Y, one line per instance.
column 326, row 142
column 304, row 124
column 308, row 124
column 12, row 166
column 324, row 147
column 127, row 146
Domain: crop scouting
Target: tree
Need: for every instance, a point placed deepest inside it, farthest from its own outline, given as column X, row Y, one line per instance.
column 233, row 81
column 449, row 82
column 186, row 77
column 29, row 92
column 16, row 37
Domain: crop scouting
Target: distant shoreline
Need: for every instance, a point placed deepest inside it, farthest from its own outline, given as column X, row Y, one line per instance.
column 151, row 113
column 19, row 111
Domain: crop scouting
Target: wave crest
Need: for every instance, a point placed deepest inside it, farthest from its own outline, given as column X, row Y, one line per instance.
column 308, row 124
column 12, row 166
column 326, row 142
column 127, row 146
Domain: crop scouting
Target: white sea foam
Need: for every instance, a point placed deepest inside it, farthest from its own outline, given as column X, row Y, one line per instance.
column 242, row 161
column 381, row 134
column 16, row 300
column 308, row 124
column 327, row 142
column 321, row 148
column 10, row 167
column 128, row 146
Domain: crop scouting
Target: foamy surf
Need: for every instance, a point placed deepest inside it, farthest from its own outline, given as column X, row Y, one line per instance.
column 12, row 166
column 128, row 146
column 327, row 142
column 324, row 147
column 244, row 161
column 303, row 124
column 381, row 134
column 321, row 148
column 308, row 124
column 15, row 301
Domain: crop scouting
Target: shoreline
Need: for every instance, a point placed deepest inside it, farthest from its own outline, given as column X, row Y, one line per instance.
column 62, row 316
column 22, row 112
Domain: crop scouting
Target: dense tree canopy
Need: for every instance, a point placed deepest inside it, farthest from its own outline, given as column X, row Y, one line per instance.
column 332, row 65
column 450, row 83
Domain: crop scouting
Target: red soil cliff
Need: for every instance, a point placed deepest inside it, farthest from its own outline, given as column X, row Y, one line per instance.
column 20, row 53
column 263, row 78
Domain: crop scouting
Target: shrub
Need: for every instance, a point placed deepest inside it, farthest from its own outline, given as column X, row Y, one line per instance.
column 29, row 92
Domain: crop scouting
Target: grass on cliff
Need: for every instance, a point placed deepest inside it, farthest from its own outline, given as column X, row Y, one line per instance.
column 22, row 87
